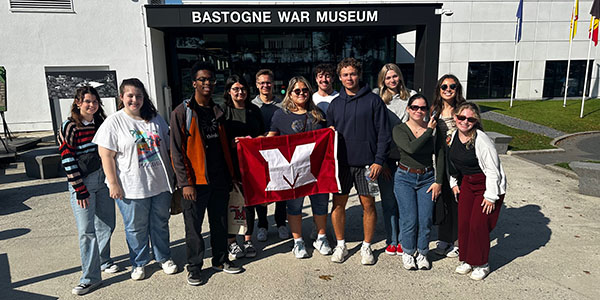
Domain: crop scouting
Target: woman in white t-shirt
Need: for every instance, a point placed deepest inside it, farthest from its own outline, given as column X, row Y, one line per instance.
column 134, row 147
column 392, row 90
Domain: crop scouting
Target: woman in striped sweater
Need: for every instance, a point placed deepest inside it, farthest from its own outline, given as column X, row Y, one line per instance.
column 94, row 210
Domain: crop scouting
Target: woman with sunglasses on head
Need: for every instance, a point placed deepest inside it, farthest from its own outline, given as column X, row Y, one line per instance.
column 134, row 146
column 299, row 114
column 472, row 156
column 448, row 95
column 393, row 92
column 94, row 210
column 242, row 119
column 416, row 183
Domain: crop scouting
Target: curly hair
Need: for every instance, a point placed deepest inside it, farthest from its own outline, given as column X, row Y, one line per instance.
column 288, row 104
column 350, row 62
column 384, row 92
column 148, row 111
column 80, row 93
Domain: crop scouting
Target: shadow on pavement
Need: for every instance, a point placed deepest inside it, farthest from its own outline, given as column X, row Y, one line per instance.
column 520, row 231
column 13, row 233
column 11, row 200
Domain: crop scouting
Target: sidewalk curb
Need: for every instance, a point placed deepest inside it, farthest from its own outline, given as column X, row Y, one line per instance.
column 517, row 152
column 560, row 138
column 552, row 168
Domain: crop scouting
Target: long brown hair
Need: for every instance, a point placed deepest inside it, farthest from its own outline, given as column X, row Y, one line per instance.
column 472, row 134
column 80, row 93
column 384, row 92
column 288, row 104
column 438, row 102
column 148, row 111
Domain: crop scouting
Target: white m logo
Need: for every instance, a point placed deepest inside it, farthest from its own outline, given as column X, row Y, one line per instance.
column 288, row 175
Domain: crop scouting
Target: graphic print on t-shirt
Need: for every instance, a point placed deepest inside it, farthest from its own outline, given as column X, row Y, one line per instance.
column 147, row 145
column 209, row 127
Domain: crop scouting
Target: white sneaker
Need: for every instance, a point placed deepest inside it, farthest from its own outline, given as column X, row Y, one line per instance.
column 300, row 250
column 169, row 267
column 111, row 269
column 138, row 273
column 422, row 262
column 261, row 235
column 84, row 288
column 453, row 252
column 367, row 255
column 480, row 272
column 283, row 232
column 322, row 245
column 408, row 261
column 339, row 254
column 463, row 268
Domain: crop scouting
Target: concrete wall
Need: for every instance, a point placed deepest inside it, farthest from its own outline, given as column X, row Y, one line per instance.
column 108, row 34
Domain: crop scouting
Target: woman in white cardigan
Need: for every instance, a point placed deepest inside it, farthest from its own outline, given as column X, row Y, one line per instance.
column 473, row 158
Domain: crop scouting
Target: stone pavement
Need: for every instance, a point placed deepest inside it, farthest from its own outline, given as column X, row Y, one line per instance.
column 545, row 246
column 582, row 147
column 521, row 124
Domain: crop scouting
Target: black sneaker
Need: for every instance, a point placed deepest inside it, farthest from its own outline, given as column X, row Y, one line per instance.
column 194, row 278
column 235, row 250
column 84, row 288
column 249, row 249
column 228, row 267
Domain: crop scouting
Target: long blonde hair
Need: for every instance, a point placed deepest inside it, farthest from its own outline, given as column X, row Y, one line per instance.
column 288, row 104
column 472, row 134
column 384, row 92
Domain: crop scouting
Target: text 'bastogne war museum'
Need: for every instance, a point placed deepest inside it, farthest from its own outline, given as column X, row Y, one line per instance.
column 50, row 47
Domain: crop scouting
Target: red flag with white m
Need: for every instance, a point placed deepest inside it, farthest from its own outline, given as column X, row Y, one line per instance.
column 288, row 167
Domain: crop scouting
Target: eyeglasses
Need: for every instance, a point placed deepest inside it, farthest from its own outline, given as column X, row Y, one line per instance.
column 445, row 86
column 204, row 79
column 265, row 83
column 238, row 90
column 469, row 119
column 299, row 91
column 416, row 107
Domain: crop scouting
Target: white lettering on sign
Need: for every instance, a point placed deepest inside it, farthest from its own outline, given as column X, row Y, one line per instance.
column 286, row 175
column 284, row 16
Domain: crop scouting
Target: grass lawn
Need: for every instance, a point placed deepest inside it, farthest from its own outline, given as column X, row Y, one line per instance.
column 522, row 140
column 551, row 113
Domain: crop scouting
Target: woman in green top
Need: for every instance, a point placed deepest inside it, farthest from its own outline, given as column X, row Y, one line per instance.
column 416, row 186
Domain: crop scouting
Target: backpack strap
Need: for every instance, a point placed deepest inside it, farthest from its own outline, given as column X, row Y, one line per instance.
column 188, row 115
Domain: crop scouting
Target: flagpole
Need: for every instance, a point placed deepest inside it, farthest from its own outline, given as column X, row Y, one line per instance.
column 513, row 84
column 585, row 81
column 570, row 47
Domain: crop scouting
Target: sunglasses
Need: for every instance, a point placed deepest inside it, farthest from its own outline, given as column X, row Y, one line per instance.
column 445, row 86
column 416, row 107
column 300, row 91
column 470, row 119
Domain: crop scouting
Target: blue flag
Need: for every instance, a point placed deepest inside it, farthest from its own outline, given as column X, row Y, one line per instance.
column 519, row 22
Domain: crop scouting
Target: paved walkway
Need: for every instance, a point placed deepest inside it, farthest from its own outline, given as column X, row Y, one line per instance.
column 580, row 147
column 545, row 246
column 521, row 124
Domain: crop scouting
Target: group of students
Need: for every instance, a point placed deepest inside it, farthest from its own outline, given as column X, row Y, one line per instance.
column 433, row 163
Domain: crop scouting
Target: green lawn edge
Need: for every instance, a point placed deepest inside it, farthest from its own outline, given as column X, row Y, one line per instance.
column 522, row 140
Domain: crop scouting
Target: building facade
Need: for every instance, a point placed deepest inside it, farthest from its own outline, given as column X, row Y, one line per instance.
column 46, row 48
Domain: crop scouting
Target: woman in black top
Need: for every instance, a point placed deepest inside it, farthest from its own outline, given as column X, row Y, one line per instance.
column 242, row 119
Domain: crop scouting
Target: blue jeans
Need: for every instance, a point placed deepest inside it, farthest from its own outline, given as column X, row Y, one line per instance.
column 318, row 204
column 417, row 209
column 391, row 214
column 147, row 220
column 95, row 225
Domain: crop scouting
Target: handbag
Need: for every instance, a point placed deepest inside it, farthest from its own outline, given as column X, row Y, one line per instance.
column 236, row 215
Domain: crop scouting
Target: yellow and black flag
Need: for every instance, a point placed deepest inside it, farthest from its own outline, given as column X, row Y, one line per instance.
column 595, row 12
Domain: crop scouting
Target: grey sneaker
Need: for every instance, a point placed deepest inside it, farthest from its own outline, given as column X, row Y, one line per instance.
column 339, row 254
column 480, row 272
column 367, row 255
column 463, row 268
column 111, row 269
column 84, row 288
column 322, row 245
column 235, row 250
column 408, row 261
column 300, row 250
column 228, row 267
column 194, row 278
column 261, row 235
column 283, row 232
column 249, row 249
column 422, row 262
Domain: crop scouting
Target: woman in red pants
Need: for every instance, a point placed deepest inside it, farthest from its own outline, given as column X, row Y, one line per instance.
column 473, row 157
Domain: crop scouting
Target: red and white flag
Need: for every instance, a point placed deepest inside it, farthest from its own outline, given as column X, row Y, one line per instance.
column 288, row 167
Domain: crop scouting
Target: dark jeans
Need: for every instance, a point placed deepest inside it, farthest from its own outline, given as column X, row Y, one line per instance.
column 280, row 215
column 214, row 200
column 448, row 228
